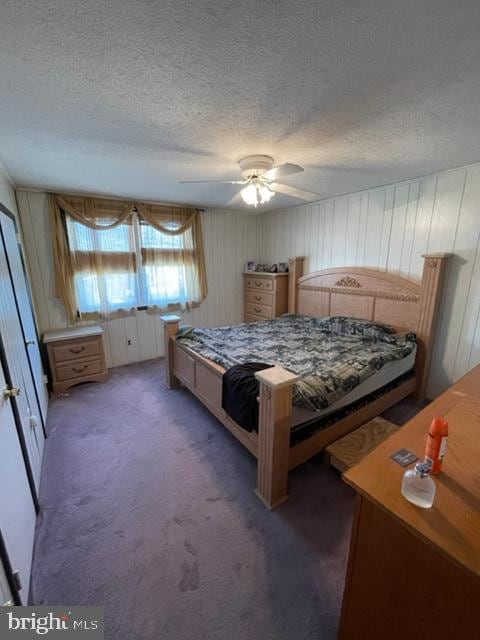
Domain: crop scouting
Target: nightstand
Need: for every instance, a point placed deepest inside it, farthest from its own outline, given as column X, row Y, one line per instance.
column 76, row 355
column 266, row 295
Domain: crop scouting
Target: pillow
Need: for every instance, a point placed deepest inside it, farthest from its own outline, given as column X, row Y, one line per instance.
column 400, row 338
column 184, row 331
column 344, row 326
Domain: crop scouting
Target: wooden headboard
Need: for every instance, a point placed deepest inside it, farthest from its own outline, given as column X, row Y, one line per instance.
column 371, row 294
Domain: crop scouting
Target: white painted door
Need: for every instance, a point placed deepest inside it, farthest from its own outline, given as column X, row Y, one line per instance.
column 24, row 303
column 17, row 510
column 19, row 368
column 6, row 597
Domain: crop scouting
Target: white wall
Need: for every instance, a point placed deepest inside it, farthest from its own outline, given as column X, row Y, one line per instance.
column 389, row 228
column 230, row 240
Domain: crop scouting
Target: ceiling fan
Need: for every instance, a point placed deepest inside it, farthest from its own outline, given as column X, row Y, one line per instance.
column 260, row 181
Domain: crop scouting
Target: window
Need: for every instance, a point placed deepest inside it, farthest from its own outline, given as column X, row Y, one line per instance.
column 104, row 267
column 164, row 266
column 131, row 265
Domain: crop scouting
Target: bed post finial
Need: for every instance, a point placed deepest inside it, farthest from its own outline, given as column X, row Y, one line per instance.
column 171, row 324
column 274, row 424
column 295, row 271
column 433, row 274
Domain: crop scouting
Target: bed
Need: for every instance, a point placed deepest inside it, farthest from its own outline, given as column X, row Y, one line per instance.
column 295, row 422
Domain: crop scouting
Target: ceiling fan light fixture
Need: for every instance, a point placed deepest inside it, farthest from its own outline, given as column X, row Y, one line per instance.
column 256, row 193
column 266, row 194
column 261, row 180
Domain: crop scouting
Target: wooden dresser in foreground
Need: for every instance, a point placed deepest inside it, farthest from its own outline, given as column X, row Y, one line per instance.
column 75, row 355
column 266, row 295
column 415, row 573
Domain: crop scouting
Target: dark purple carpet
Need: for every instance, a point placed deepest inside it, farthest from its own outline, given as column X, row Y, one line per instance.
column 148, row 509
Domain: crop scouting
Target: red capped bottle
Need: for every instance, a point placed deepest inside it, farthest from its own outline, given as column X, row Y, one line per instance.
column 436, row 447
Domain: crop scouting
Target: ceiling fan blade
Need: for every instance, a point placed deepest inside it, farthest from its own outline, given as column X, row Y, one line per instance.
column 294, row 192
column 213, row 182
column 237, row 199
column 282, row 171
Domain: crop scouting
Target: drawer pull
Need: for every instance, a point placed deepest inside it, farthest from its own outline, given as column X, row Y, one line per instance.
column 258, row 284
column 258, row 298
column 257, row 310
column 77, row 350
column 79, row 369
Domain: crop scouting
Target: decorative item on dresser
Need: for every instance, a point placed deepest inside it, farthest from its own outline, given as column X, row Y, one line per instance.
column 75, row 355
column 413, row 571
column 266, row 295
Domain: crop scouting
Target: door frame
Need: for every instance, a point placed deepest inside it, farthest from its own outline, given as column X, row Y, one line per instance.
column 18, row 426
column 7, row 567
column 10, row 215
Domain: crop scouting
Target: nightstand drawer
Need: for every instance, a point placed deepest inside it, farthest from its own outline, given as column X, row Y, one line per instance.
column 78, row 369
column 259, row 310
column 74, row 349
column 263, row 284
column 258, row 297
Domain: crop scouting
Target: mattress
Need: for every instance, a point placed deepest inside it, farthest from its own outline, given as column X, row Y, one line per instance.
column 302, row 432
column 389, row 372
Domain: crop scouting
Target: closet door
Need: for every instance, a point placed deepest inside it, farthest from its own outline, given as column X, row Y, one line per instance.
column 24, row 304
column 6, row 598
column 25, row 402
column 17, row 509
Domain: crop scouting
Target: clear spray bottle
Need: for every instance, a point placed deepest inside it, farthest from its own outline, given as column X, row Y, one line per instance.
column 418, row 487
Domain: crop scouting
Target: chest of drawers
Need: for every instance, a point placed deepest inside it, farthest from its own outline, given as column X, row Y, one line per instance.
column 410, row 567
column 266, row 295
column 75, row 355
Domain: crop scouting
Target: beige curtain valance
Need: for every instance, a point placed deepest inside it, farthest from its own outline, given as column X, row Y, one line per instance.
column 102, row 214
column 172, row 221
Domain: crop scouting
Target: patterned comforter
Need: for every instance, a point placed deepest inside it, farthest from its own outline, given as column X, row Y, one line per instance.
column 332, row 355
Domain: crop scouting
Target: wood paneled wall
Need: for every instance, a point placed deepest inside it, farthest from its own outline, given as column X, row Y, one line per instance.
column 230, row 240
column 389, row 228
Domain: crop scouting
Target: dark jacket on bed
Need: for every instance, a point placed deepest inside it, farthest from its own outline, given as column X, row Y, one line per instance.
column 239, row 394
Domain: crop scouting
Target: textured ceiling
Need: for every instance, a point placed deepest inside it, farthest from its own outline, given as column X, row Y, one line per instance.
column 128, row 98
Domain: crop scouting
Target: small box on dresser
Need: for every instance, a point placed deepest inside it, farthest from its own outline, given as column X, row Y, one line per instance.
column 266, row 295
column 75, row 355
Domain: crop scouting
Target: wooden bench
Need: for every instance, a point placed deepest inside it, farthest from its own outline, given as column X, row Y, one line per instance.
column 352, row 448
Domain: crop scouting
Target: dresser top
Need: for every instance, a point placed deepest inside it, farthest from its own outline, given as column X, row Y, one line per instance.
column 452, row 525
column 264, row 274
column 71, row 333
